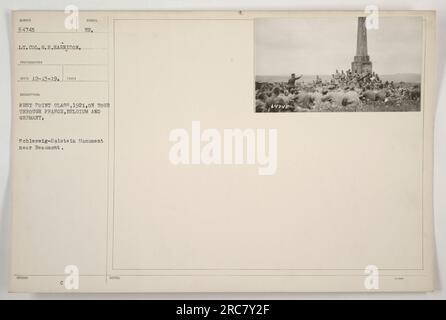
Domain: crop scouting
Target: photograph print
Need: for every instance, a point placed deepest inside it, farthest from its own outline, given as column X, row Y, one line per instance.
column 338, row 64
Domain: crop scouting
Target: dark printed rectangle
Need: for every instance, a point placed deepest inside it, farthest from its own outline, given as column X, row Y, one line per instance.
column 338, row 64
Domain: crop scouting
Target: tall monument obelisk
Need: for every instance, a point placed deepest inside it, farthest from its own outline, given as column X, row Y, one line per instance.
column 361, row 62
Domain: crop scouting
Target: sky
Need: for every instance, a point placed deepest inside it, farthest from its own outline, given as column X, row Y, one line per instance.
column 321, row 45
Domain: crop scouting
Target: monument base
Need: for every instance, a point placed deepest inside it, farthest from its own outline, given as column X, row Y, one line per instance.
column 361, row 64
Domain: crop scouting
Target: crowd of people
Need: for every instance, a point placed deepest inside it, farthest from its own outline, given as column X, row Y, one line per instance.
column 344, row 91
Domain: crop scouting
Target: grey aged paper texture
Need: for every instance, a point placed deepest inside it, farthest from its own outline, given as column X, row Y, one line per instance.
column 175, row 151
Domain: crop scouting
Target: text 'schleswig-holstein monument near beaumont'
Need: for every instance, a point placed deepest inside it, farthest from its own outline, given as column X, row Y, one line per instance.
column 361, row 62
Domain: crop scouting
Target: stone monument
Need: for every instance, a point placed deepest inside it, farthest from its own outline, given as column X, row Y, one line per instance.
column 361, row 62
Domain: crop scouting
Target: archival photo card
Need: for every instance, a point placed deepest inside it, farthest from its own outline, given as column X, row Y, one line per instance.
column 140, row 163
column 338, row 64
